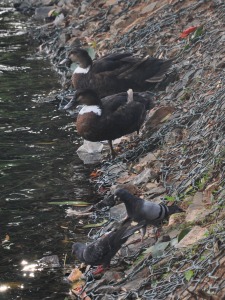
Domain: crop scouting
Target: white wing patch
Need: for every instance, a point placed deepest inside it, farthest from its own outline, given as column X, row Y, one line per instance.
column 80, row 70
column 91, row 108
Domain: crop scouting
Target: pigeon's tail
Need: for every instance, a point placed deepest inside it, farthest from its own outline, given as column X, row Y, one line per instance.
column 131, row 230
column 174, row 209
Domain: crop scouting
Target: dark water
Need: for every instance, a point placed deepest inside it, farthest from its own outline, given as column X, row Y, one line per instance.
column 38, row 164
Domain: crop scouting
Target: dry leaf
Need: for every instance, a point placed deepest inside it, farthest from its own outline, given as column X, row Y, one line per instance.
column 75, row 275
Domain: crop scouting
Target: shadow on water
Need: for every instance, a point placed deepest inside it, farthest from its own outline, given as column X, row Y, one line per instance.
column 38, row 163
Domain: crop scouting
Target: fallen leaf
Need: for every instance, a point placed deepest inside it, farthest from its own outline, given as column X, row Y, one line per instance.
column 183, row 233
column 95, row 225
column 187, row 31
column 75, row 275
column 75, row 203
column 95, row 173
column 7, row 238
column 188, row 275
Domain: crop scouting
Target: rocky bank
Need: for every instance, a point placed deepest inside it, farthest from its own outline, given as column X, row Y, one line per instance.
column 179, row 156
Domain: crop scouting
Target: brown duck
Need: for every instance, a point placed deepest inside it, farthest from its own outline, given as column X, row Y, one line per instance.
column 111, row 117
column 117, row 72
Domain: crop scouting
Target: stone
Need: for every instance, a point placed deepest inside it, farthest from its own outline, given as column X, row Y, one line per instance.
column 51, row 261
column 118, row 212
column 149, row 8
column 151, row 185
column 177, row 219
column 42, row 12
column 128, row 186
column 197, row 233
column 147, row 159
column 197, row 210
column 156, row 118
column 157, row 191
column 144, row 176
column 111, row 2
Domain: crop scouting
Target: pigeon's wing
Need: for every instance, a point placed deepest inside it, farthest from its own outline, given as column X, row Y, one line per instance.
column 95, row 252
column 153, row 212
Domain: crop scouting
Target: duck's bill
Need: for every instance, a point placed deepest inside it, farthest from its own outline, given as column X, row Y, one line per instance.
column 64, row 61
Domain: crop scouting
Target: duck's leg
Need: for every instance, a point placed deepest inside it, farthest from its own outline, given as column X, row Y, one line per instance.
column 112, row 151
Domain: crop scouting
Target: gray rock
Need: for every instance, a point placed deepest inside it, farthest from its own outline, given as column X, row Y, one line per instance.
column 118, row 212
column 42, row 12
column 197, row 210
column 144, row 176
column 51, row 261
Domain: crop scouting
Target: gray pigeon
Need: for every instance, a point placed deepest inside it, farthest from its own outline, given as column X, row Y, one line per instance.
column 103, row 249
column 140, row 210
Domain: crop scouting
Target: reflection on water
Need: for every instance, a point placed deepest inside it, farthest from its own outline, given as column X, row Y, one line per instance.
column 38, row 164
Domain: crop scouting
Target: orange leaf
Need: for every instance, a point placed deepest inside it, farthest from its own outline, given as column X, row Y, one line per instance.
column 7, row 238
column 74, row 275
column 95, row 174
column 187, row 31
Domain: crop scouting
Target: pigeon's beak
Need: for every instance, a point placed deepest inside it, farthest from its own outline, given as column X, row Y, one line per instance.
column 73, row 250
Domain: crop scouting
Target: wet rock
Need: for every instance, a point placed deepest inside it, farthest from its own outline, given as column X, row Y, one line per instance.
column 90, row 152
column 197, row 233
column 51, row 261
column 197, row 210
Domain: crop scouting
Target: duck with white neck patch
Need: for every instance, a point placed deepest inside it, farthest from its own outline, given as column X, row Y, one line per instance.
column 116, row 72
column 111, row 117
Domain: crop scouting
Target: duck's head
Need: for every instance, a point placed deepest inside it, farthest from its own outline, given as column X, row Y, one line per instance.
column 81, row 57
column 84, row 97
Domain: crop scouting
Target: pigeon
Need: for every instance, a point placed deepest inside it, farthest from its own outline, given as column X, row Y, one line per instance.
column 101, row 251
column 140, row 210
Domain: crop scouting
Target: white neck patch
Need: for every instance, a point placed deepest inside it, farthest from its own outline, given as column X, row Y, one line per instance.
column 80, row 70
column 91, row 108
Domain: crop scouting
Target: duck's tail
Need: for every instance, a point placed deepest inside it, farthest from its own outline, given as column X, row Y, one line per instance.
column 163, row 68
column 148, row 98
column 130, row 95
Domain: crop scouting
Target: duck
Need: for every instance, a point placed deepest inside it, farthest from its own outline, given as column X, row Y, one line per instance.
column 111, row 117
column 116, row 72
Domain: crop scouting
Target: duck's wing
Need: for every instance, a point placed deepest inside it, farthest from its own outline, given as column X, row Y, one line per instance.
column 149, row 69
column 113, row 102
column 116, row 62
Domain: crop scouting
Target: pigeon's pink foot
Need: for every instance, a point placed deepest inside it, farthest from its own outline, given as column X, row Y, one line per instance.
column 99, row 270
